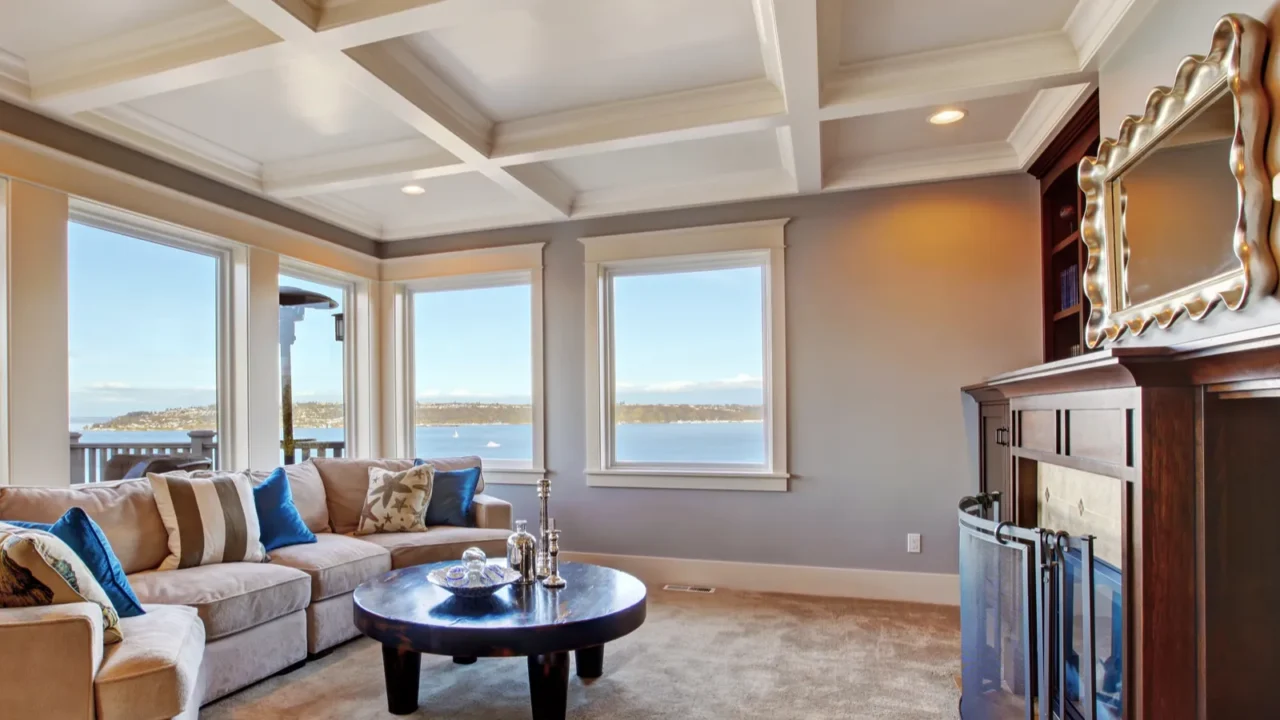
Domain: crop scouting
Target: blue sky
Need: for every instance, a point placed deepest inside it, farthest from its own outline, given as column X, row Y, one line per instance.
column 143, row 334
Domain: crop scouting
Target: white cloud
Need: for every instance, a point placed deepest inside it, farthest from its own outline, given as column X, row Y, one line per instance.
column 739, row 381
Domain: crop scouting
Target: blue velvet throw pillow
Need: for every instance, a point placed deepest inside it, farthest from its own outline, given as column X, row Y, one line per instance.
column 451, row 494
column 85, row 538
column 278, row 517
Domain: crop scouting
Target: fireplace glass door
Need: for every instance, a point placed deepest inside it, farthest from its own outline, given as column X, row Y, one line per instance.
column 1108, row 630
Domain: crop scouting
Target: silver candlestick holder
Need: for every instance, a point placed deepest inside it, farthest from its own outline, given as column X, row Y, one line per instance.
column 553, row 579
column 543, row 565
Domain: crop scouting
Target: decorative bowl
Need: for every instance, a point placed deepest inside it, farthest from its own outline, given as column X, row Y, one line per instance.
column 461, row 583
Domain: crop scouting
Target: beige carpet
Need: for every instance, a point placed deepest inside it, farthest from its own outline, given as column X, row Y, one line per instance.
column 726, row 655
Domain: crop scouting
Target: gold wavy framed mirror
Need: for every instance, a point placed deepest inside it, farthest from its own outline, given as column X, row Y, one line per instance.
column 1178, row 208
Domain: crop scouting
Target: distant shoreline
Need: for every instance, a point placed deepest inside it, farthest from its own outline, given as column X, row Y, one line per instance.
column 321, row 416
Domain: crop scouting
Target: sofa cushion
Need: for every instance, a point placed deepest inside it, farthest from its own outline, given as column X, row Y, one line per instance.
column 229, row 597
column 308, row 495
column 126, row 512
column 464, row 462
column 346, row 483
column 439, row 543
column 152, row 674
column 336, row 563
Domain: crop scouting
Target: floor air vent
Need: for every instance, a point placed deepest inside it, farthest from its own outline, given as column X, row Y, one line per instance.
column 689, row 589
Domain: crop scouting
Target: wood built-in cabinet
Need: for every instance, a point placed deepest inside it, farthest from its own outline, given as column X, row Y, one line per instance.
column 1065, row 308
column 1187, row 439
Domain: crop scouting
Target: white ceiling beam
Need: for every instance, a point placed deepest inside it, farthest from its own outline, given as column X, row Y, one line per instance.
column 940, row 77
column 658, row 120
column 362, row 22
column 198, row 48
column 400, row 161
column 788, row 32
column 1044, row 119
column 396, row 80
column 917, row 166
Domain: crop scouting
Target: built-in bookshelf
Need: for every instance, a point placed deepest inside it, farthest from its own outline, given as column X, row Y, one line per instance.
column 1063, row 253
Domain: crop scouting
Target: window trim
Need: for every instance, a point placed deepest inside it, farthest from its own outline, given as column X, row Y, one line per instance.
column 752, row 244
column 464, row 270
column 230, row 396
column 353, row 368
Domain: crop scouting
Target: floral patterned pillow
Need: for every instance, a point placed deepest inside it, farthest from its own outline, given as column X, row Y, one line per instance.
column 397, row 501
column 36, row 568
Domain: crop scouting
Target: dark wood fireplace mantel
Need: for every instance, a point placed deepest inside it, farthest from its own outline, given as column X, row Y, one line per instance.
column 1192, row 436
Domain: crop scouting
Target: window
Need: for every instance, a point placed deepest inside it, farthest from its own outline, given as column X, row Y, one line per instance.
column 687, row 344
column 143, row 320
column 474, row 359
column 313, row 323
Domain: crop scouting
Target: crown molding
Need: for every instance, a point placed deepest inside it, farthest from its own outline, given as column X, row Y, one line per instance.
column 1045, row 118
column 729, row 187
column 1097, row 27
column 920, row 166
column 169, row 142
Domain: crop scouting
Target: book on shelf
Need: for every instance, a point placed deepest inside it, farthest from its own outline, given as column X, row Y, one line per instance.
column 1069, row 288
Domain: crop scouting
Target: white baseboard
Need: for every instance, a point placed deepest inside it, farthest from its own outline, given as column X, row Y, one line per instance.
column 935, row 588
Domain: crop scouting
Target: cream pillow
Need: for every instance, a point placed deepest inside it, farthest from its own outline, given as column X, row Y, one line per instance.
column 37, row 568
column 209, row 519
column 397, row 501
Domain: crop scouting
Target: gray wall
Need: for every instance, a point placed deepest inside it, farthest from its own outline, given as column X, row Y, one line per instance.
column 895, row 299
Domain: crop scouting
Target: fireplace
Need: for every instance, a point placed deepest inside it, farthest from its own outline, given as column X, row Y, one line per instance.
column 1041, row 621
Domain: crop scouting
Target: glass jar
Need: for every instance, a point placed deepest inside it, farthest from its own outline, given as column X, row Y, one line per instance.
column 522, row 553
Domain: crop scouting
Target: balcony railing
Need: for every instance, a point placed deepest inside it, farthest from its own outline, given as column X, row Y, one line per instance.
column 89, row 460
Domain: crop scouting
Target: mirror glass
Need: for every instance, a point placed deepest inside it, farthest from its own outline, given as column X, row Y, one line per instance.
column 1179, row 206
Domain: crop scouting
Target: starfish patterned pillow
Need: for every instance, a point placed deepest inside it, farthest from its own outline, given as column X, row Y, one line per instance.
column 397, row 501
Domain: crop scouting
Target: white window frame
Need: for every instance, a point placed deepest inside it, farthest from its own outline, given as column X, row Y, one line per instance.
column 356, row 359
column 753, row 244
column 229, row 394
column 467, row 270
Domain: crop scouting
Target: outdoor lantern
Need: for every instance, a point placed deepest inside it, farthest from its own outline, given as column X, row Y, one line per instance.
column 339, row 327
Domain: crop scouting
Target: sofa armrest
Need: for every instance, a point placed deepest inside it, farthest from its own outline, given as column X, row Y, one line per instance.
column 491, row 512
column 49, row 657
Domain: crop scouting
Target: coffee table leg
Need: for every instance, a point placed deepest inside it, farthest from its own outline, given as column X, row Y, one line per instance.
column 590, row 662
column 401, row 670
column 549, row 685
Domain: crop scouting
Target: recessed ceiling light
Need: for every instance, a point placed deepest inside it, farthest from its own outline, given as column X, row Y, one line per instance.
column 412, row 190
column 948, row 116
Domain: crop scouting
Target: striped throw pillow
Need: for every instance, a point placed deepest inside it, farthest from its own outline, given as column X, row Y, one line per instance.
column 209, row 519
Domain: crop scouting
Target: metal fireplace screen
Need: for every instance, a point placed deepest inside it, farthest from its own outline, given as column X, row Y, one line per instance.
column 1029, row 622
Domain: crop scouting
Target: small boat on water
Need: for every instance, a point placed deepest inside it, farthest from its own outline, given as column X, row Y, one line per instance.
column 455, row 433
column 492, row 444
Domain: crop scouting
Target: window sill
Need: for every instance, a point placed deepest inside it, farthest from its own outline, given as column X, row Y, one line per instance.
column 688, row 480
column 513, row 476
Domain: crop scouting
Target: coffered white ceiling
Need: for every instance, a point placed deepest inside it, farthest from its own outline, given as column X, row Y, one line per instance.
column 509, row 112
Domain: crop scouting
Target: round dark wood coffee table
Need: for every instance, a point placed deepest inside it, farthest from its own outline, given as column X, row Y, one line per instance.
column 409, row 616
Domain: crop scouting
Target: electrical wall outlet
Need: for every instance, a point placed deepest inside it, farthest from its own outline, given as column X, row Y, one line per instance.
column 913, row 542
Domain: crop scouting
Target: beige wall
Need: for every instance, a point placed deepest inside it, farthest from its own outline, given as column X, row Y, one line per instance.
column 895, row 299
column 37, row 424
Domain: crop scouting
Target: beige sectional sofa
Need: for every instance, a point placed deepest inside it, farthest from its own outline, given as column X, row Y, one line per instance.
column 210, row 630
